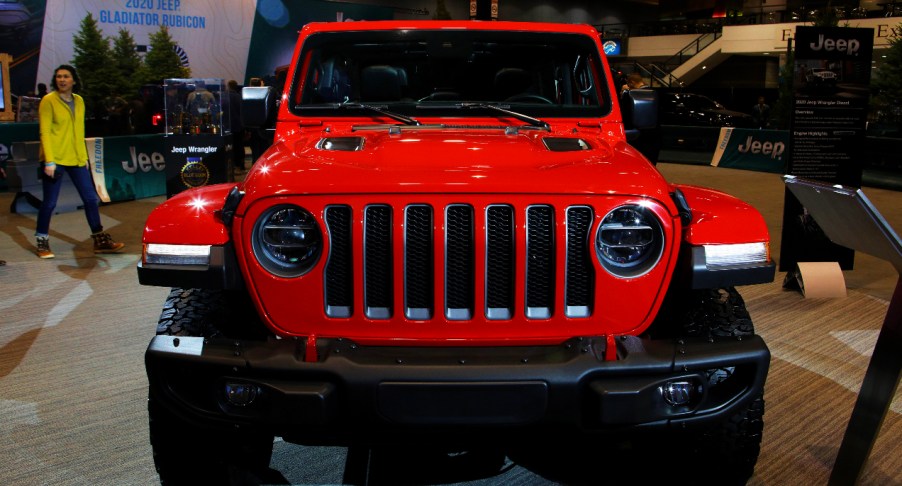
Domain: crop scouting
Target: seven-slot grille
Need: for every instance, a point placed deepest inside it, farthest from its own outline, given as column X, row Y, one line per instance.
column 456, row 226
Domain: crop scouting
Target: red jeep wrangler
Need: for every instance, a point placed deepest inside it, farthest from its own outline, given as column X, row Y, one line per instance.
column 451, row 240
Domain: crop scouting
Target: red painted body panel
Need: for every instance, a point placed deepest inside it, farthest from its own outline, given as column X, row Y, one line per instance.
column 190, row 218
column 719, row 218
column 462, row 161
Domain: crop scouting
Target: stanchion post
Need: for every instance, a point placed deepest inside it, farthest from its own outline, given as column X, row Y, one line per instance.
column 876, row 395
column 849, row 219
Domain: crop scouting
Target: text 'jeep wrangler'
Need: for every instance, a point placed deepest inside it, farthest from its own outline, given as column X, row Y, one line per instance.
column 451, row 240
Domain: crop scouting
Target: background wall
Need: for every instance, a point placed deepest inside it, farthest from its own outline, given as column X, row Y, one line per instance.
column 276, row 22
column 213, row 34
column 574, row 12
column 276, row 26
column 566, row 11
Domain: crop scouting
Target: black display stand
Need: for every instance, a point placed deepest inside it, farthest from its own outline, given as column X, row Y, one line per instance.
column 849, row 219
column 827, row 128
column 197, row 160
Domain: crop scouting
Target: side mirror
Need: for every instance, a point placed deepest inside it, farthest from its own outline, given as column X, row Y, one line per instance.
column 258, row 106
column 639, row 108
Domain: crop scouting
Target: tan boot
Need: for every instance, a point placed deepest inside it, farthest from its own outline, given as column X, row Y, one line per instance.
column 103, row 243
column 43, row 250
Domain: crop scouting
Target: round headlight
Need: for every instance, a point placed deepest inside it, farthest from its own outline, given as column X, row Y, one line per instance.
column 629, row 241
column 287, row 241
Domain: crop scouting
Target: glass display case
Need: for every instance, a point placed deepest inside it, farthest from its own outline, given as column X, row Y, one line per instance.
column 196, row 106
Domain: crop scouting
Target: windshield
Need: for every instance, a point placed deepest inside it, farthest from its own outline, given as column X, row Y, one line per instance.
column 439, row 72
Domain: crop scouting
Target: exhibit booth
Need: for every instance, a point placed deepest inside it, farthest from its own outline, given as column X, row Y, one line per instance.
column 195, row 150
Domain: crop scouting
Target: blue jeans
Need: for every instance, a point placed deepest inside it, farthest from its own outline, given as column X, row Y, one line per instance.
column 84, row 184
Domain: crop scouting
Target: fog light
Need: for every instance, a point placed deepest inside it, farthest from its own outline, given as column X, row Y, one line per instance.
column 241, row 394
column 678, row 393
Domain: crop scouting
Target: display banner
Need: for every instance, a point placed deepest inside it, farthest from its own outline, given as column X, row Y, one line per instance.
column 196, row 160
column 96, row 165
column 827, row 130
column 751, row 149
column 212, row 38
column 134, row 167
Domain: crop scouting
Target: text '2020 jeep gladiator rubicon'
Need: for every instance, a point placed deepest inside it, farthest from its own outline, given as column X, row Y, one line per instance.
column 451, row 240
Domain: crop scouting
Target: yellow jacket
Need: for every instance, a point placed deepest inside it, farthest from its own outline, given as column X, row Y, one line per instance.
column 62, row 132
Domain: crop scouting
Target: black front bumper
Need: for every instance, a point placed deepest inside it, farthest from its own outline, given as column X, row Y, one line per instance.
column 354, row 391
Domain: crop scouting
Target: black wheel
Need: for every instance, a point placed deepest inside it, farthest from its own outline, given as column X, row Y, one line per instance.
column 730, row 449
column 719, row 313
column 210, row 313
column 187, row 453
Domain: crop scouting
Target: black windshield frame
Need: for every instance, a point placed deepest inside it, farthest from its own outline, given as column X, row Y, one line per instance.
column 431, row 72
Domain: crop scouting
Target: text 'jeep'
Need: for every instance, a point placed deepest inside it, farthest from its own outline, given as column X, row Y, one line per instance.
column 451, row 240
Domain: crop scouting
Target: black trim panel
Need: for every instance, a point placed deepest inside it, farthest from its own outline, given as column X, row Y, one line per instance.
column 354, row 392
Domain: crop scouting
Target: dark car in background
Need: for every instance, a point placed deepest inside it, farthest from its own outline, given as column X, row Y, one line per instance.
column 15, row 19
column 697, row 110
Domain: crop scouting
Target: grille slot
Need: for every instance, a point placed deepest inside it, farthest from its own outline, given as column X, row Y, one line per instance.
column 377, row 261
column 418, row 262
column 339, row 278
column 499, row 262
column 539, row 262
column 459, row 262
column 580, row 280
column 514, row 240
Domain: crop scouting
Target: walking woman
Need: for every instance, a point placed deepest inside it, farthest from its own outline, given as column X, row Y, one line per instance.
column 62, row 122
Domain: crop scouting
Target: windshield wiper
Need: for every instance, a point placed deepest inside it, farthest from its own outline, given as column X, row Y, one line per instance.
column 533, row 122
column 395, row 116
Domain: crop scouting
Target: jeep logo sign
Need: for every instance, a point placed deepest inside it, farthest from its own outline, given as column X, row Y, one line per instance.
column 142, row 161
column 751, row 149
column 773, row 149
column 849, row 47
column 833, row 43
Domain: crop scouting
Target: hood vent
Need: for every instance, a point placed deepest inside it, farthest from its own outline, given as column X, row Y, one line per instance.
column 342, row 144
column 562, row 144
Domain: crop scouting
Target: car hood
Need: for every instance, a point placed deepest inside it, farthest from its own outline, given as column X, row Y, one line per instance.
column 448, row 161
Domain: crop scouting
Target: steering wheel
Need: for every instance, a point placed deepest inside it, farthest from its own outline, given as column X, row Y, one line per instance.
column 530, row 97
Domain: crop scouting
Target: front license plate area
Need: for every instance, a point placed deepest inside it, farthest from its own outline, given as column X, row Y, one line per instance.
column 463, row 403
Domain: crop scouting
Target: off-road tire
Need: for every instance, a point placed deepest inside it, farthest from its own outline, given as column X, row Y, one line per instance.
column 210, row 313
column 730, row 450
column 186, row 453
